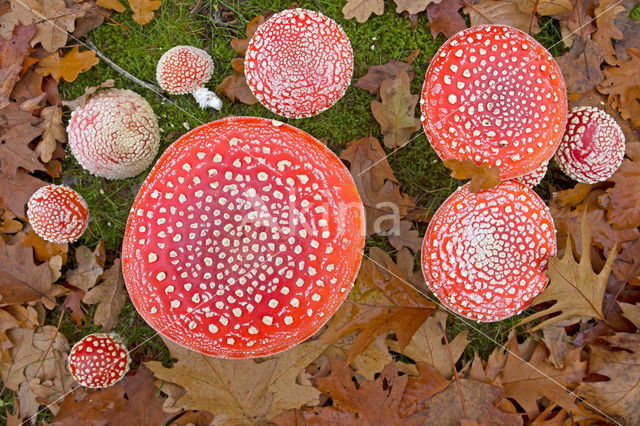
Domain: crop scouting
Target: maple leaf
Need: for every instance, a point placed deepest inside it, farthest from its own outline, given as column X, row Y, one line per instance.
column 53, row 131
column 53, row 19
column 110, row 297
column 631, row 312
column 376, row 74
column 362, row 9
column 20, row 279
column 12, row 54
column 132, row 401
column 376, row 183
column 111, row 4
column 578, row 292
column 235, row 87
column 89, row 267
column 606, row 13
column 581, row 66
column 444, row 18
column 623, row 200
column 17, row 129
column 620, row 395
column 68, row 66
column 405, row 236
column 428, row 345
column 15, row 193
column 361, row 401
column 241, row 391
column 143, row 10
column 622, row 85
column 421, row 388
column 505, row 12
column 396, row 112
column 482, row 176
column 413, row 7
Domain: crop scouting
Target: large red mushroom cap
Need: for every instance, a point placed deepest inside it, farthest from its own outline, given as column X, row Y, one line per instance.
column 535, row 177
column 186, row 69
column 485, row 254
column 592, row 147
column 244, row 239
column 98, row 360
column 493, row 94
column 115, row 135
column 299, row 63
column 58, row 214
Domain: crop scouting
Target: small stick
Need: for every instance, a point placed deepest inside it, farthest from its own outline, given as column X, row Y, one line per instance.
column 155, row 89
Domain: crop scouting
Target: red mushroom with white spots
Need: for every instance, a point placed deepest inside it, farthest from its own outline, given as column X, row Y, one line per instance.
column 244, row 239
column 485, row 254
column 493, row 94
column 299, row 63
column 535, row 177
column 592, row 147
column 58, row 214
column 98, row 360
column 115, row 135
column 186, row 69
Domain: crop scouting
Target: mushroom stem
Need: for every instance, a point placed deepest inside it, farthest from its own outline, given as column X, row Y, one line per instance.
column 207, row 99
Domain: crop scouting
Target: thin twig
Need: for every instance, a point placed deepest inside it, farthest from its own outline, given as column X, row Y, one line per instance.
column 455, row 371
column 155, row 89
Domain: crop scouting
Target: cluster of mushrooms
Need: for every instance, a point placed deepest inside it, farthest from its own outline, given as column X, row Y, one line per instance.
column 247, row 234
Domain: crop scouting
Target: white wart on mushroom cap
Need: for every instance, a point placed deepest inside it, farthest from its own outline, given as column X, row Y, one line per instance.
column 244, row 239
column 58, row 214
column 115, row 135
column 98, row 360
column 493, row 94
column 485, row 255
column 592, row 147
column 535, row 177
column 299, row 63
column 183, row 69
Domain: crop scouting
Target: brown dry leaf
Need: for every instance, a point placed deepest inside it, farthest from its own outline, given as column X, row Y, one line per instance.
column 143, row 10
column 421, row 388
column 396, row 111
column 240, row 44
column 623, row 200
column 558, row 343
column 44, row 250
column 581, row 66
column 578, row 292
column 444, row 18
column 8, row 222
column 482, row 176
column 607, row 32
column 235, row 87
column 111, row 4
column 15, row 193
column 359, row 401
column 482, row 401
column 68, row 66
column 241, row 392
column 578, row 23
column 193, row 418
column 376, row 183
column 72, row 302
column 545, row 7
column 428, row 345
column 620, row 395
column 17, row 129
column 505, row 12
column 110, row 297
column 53, row 18
column 627, row 266
column 81, row 100
column 631, row 312
column 53, row 132
column 629, row 28
column 13, row 51
column 622, row 85
column 89, row 267
column 404, row 236
column 132, row 401
column 413, row 7
column 373, row 359
column 376, row 74
column 576, row 195
column 20, row 279
column 362, row 9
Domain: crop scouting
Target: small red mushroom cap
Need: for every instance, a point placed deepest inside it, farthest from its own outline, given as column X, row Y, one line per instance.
column 244, row 239
column 535, row 177
column 299, row 63
column 485, row 255
column 493, row 94
column 99, row 360
column 115, row 135
column 183, row 69
column 592, row 147
column 58, row 214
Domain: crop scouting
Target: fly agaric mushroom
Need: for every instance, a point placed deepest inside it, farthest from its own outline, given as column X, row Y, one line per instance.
column 592, row 147
column 115, row 135
column 485, row 254
column 244, row 239
column 98, row 360
column 535, row 177
column 299, row 63
column 493, row 94
column 58, row 214
column 186, row 69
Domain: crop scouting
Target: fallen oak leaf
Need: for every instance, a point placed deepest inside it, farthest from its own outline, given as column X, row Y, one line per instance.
column 13, row 51
column 402, row 235
column 586, row 56
column 110, row 297
column 15, row 193
column 631, row 312
column 622, row 201
column 413, row 7
column 81, row 100
column 53, row 132
column 504, row 12
column 421, row 388
column 622, row 85
column 68, row 66
column 376, row 74
column 17, row 129
column 234, row 87
column 44, row 250
column 111, row 4
column 143, row 10
column 240, row 45
column 607, row 31
column 444, row 18
column 362, row 9
column 72, row 302
column 21, row 280
column 482, row 176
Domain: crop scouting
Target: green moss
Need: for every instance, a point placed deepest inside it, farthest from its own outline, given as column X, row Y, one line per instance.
column 635, row 12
